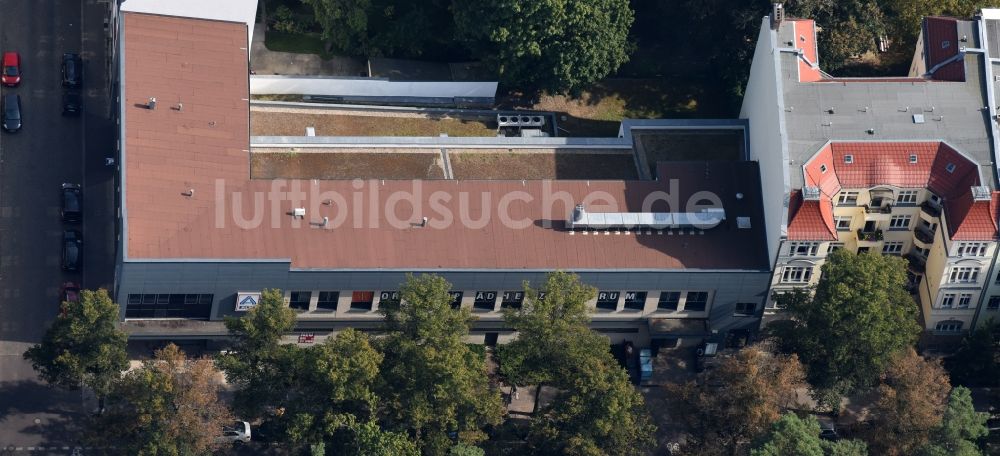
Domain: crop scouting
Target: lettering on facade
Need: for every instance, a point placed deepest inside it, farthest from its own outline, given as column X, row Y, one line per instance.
column 307, row 338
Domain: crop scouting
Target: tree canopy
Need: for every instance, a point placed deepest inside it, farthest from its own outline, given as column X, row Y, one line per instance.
column 257, row 363
column 737, row 401
column 960, row 427
column 912, row 398
column 555, row 45
column 170, row 406
column 431, row 384
column 800, row 436
column 977, row 360
column 860, row 317
column 83, row 346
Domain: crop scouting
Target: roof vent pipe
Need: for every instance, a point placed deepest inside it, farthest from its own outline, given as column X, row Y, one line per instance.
column 578, row 213
column 151, row 104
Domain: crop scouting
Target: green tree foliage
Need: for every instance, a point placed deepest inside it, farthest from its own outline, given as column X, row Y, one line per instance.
column 330, row 386
column 977, row 361
column 912, row 398
column 555, row 45
column 367, row 438
column 83, row 345
column 597, row 412
column 431, row 383
column 735, row 403
column 170, row 406
column 344, row 22
column 554, row 333
column 257, row 363
column 465, row 450
column 859, row 318
column 960, row 427
column 848, row 27
column 800, row 436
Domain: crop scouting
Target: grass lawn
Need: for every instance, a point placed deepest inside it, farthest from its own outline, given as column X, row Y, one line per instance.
column 298, row 43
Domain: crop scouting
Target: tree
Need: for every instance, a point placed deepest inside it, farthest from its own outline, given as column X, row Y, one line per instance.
column 977, row 361
column 465, row 450
column 431, row 384
column 170, row 406
column 367, row 438
column 553, row 334
column 555, row 45
column 83, row 345
column 597, row 412
column 257, row 363
column 800, row 436
column 960, row 427
column 912, row 399
column 344, row 22
column 858, row 319
column 737, row 401
column 330, row 386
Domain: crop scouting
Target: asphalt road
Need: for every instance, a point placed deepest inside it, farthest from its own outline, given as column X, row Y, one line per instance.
column 49, row 150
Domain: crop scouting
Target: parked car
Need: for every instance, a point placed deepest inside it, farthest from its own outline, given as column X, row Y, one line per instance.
column 70, row 293
column 72, row 203
column 72, row 251
column 236, row 433
column 72, row 70
column 11, row 69
column 72, row 103
column 11, row 113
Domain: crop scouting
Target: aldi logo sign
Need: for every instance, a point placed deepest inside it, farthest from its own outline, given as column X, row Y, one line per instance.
column 246, row 300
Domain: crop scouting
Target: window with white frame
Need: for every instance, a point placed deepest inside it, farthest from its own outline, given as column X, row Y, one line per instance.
column 843, row 223
column 907, row 197
column 803, row 248
column 964, row 300
column 947, row 301
column 892, row 248
column 948, row 326
column 899, row 222
column 834, row 246
column 977, row 249
column 796, row 274
column 848, row 198
column 964, row 274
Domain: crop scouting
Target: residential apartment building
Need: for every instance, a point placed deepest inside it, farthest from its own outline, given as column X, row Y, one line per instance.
column 200, row 237
column 897, row 166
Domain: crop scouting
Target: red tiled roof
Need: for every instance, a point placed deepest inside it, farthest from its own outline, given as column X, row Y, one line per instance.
column 810, row 220
column 804, row 31
column 941, row 43
column 888, row 163
column 978, row 219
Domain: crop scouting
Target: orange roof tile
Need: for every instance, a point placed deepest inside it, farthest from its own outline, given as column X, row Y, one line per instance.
column 810, row 220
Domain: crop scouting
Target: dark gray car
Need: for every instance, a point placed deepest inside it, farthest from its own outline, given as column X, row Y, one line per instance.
column 11, row 112
column 72, row 70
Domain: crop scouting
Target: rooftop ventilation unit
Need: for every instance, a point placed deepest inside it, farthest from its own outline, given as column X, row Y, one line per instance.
column 980, row 193
column 743, row 223
column 703, row 219
column 520, row 120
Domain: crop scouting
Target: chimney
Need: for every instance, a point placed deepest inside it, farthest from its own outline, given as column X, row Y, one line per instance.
column 777, row 15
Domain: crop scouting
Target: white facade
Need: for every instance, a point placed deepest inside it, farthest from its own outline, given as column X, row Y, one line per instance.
column 220, row 10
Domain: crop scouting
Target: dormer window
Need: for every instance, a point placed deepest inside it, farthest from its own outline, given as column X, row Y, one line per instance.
column 848, row 159
column 913, row 158
column 950, row 167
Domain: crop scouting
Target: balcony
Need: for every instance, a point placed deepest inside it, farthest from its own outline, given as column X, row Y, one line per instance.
column 883, row 209
column 917, row 262
column 923, row 234
column 869, row 236
column 931, row 209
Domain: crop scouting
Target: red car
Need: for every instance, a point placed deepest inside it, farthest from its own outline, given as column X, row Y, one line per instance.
column 11, row 69
column 70, row 294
